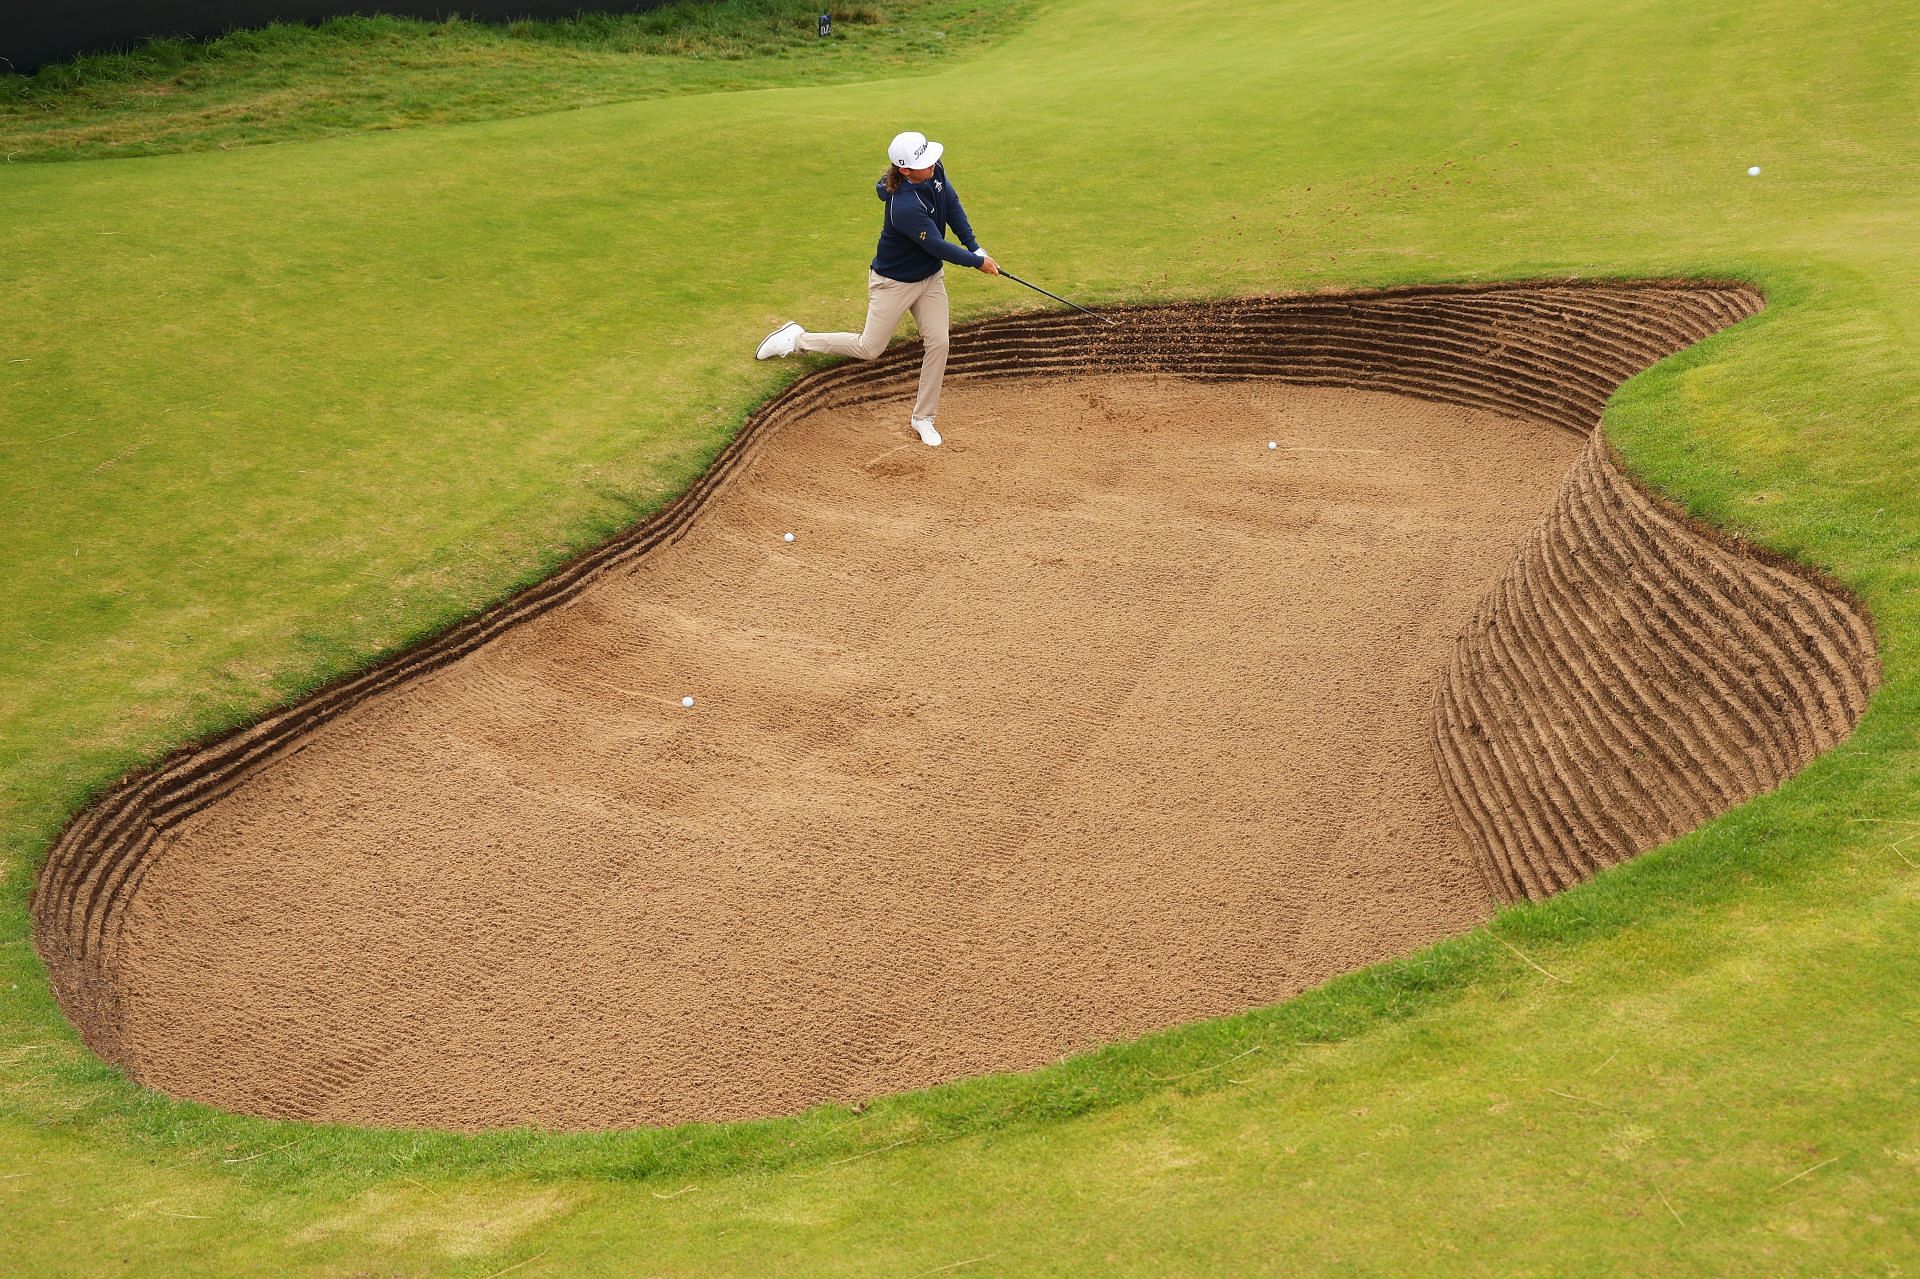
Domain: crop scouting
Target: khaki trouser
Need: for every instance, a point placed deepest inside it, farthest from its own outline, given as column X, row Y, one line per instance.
column 887, row 301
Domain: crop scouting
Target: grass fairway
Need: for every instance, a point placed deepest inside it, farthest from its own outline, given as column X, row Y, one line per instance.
column 271, row 412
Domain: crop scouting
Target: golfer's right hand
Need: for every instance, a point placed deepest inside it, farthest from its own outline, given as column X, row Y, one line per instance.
column 990, row 267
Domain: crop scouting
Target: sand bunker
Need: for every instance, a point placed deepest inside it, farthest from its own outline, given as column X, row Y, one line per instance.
column 1102, row 718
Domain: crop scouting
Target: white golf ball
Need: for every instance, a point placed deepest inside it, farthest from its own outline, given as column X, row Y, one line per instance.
column 789, row 537
column 1754, row 172
column 686, row 701
column 1273, row 444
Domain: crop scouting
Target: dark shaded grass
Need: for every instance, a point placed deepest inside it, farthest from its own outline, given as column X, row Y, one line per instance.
column 291, row 81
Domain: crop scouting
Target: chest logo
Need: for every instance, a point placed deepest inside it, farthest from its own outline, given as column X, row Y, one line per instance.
column 923, row 235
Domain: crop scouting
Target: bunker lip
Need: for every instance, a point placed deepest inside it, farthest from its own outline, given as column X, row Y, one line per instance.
column 1550, row 352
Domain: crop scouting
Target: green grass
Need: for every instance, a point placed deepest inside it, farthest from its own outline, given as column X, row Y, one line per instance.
column 288, row 81
column 271, row 412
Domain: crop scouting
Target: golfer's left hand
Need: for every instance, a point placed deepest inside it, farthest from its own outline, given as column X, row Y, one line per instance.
column 990, row 267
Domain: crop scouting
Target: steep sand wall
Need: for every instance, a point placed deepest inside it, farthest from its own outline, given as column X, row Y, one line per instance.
column 1631, row 676
column 1743, row 700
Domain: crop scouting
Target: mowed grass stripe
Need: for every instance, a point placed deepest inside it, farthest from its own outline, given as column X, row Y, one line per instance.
column 358, row 452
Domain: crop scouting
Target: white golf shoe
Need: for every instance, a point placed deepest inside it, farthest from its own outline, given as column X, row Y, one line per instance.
column 923, row 427
column 783, row 341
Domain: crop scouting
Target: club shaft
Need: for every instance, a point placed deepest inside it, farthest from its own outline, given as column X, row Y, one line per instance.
column 1055, row 296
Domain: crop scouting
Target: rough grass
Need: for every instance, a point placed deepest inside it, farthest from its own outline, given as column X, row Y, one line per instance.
column 289, row 81
column 273, row 412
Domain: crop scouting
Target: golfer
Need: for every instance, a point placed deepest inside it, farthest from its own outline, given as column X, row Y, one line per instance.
column 906, row 273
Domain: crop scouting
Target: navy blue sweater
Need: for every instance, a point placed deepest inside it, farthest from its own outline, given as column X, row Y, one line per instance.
column 913, row 243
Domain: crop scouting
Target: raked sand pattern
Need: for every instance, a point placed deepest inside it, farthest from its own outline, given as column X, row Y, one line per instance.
column 1101, row 718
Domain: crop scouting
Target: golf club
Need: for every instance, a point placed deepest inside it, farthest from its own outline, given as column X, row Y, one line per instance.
column 1056, row 297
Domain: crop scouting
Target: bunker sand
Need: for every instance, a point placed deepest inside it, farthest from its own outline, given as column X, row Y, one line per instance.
column 1101, row 718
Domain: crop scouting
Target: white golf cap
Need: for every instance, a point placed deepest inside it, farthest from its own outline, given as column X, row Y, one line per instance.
column 913, row 151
